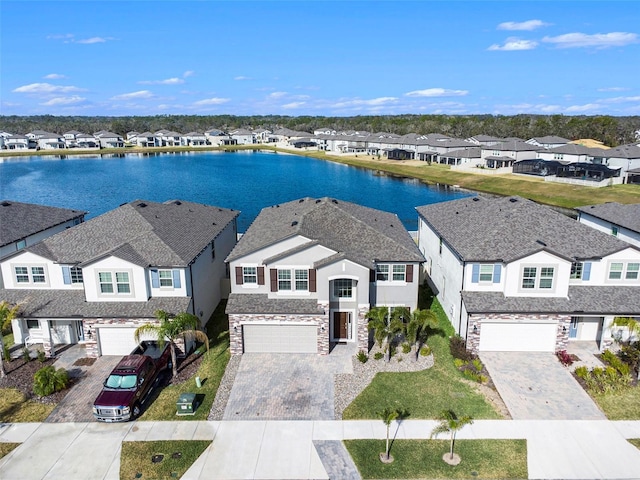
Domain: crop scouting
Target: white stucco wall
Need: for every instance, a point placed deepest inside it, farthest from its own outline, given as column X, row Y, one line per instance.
column 513, row 276
column 137, row 281
column 624, row 234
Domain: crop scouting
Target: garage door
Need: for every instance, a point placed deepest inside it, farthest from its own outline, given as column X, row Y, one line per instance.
column 518, row 337
column 116, row 341
column 259, row 338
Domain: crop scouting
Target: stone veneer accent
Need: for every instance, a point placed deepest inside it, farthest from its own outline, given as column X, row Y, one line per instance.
column 363, row 329
column 473, row 339
column 90, row 326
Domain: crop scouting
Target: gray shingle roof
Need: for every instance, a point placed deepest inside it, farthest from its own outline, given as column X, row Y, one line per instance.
column 583, row 300
column 473, row 152
column 144, row 233
column 261, row 304
column 551, row 139
column 19, row 220
column 627, row 216
column 71, row 303
column 506, row 229
column 363, row 234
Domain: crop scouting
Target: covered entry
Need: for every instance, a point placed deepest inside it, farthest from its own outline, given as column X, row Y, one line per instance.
column 586, row 329
column 517, row 337
column 341, row 326
column 280, row 338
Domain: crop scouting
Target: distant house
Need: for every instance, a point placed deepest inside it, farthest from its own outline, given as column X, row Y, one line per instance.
column 512, row 275
column 306, row 272
column 109, row 139
column 98, row 281
column 25, row 224
column 505, row 154
column 50, row 141
column 570, row 153
column 169, row 138
column 146, row 139
column 84, row 140
column 550, row 141
column 485, row 140
column 193, row 139
column 16, row 142
column 242, row 136
column 623, row 157
column 619, row 220
column 219, row 138
column 469, row 157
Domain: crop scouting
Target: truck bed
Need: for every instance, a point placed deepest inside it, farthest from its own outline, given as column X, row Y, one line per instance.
column 150, row 348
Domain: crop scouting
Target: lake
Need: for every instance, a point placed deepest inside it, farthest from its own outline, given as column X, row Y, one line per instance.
column 245, row 180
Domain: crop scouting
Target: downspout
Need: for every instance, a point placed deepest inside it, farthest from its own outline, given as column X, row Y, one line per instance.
column 193, row 296
column 460, row 312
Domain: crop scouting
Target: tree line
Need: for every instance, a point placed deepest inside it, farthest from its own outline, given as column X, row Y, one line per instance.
column 608, row 129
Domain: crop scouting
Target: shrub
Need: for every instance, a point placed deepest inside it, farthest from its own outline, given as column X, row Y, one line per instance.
column 458, row 348
column 474, row 376
column 41, row 356
column 564, row 358
column 459, row 363
column 6, row 354
column 26, row 354
column 582, row 372
column 425, row 351
column 406, row 348
column 48, row 380
column 362, row 356
column 477, row 364
column 615, row 362
column 378, row 355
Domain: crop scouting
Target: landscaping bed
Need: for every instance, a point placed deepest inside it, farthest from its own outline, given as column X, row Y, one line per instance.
column 20, row 377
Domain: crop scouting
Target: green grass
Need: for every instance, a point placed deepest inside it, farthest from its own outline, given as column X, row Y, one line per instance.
column 423, row 459
column 426, row 393
column 14, row 407
column 5, row 448
column 8, row 340
column 623, row 405
column 135, row 459
column 210, row 372
column 635, row 442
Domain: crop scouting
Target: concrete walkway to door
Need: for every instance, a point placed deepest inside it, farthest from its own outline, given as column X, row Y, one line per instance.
column 535, row 386
column 286, row 386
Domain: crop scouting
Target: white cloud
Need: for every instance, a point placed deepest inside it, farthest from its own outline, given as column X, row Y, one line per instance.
column 583, row 108
column 241, row 77
column 54, row 76
column 513, row 44
column 42, row 88
column 528, row 25
column 188, row 73
column 64, row 36
column 437, row 92
column 293, row 105
column 133, row 95
column 277, row 94
column 211, row 101
column 621, row 99
column 64, row 101
column 597, row 40
column 70, row 38
column 613, row 89
column 168, row 81
column 359, row 102
column 92, row 40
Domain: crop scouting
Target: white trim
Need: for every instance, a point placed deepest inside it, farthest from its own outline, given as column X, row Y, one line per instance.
column 353, row 319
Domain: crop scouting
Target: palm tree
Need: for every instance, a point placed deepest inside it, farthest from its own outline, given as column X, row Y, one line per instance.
column 450, row 423
column 421, row 324
column 387, row 415
column 7, row 313
column 385, row 327
column 170, row 329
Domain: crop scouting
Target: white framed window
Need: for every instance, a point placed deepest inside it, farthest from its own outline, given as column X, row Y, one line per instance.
column 538, row 278
column 576, row 270
column 382, row 273
column 633, row 271
column 391, row 273
column 615, row 270
column 302, row 280
column 250, row 275
column 166, row 278
column 114, row 283
column 624, row 271
column 399, row 273
column 486, row 273
column 284, row 280
column 76, row 275
column 293, row 280
column 30, row 274
column 343, row 288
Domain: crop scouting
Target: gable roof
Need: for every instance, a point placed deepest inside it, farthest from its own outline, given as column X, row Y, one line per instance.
column 19, row 220
column 550, row 139
column 363, row 235
column 508, row 228
column 144, row 233
column 627, row 216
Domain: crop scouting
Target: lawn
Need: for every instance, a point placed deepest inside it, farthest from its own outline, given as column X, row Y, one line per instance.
column 5, row 448
column 136, row 458
column 423, row 459
column 426, row 393
column 14, row 407
column 624, row 405
column 210, row 372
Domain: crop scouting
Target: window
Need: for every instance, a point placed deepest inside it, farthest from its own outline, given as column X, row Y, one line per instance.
column 22, row 274
column 576, row 271
column 394, row 273
column 538, row 278
column 382, row 273
column 399, row 273
column 250, row 275
column 293, row 280
column 342, row 288
column 486, row 273
column 21, row 244
column 76, row 275
column 633, row 269
column 546, row 277
column 30, row 274
column 615, row 271
column 120, row 286
column 529, row 277
column 284, row 279
column 33, row 324
column 622, row 271
column 166, row 278
column 302, row 280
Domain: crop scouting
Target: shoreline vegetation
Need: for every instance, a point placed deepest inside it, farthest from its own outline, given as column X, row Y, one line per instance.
column 548, row 193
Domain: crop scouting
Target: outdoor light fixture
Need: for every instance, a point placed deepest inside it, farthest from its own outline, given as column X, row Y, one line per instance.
column 235, row 329
column 475, row 329
column 322, row 327
column 564, row 329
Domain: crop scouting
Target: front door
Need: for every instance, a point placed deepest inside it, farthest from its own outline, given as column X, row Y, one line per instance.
column 573, row 328
column 340, row 320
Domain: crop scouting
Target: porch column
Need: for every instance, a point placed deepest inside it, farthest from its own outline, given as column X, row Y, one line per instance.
column 47, row 341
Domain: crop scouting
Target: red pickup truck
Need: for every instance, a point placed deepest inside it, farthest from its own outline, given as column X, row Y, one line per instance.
column 128, row 386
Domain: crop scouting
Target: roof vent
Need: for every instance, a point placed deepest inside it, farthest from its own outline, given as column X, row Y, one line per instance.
column 541, row 243
column 142, row 205
column 476, row 199
column 6, row 204
column 334, row 201
column 294, row 223
column 301, row 200
column 318, row 201
column 513, row 200
column 214, row 223
column 177, row 202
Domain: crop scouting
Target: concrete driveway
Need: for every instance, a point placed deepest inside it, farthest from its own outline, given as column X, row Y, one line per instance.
column 284, row 386
column 535, row 386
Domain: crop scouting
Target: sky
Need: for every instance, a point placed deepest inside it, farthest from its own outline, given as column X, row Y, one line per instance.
column 319, row 58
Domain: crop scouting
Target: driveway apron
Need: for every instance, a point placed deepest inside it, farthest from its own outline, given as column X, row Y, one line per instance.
column 535, row 386
column 273, row 386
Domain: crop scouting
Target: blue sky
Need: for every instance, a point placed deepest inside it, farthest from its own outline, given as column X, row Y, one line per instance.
column 336, row 58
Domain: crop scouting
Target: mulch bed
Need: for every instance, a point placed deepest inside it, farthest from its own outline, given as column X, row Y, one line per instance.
column 20, row 376
column 187, row 368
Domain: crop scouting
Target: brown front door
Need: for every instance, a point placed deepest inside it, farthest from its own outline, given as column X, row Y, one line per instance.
column 340, row 325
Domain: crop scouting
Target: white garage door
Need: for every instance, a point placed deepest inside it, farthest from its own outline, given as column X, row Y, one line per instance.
column 518, row 337
column 260, row 338
column 116, row 341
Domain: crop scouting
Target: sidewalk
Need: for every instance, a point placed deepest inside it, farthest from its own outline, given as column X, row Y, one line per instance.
column 571, row 449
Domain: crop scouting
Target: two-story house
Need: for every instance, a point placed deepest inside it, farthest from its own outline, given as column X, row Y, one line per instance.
column 306, row 272
column 622, row 221
column 97, row 282
column 513, row 275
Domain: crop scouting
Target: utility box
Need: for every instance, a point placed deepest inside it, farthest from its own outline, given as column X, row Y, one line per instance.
column 186, row 404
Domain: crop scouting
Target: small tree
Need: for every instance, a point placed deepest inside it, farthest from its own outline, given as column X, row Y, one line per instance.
column 387, row 416
column 385, row 327
column 7, row 313
column 452, row 424
column 48, row 380
column 631, row 324
column 420, row 326
column 170, row 329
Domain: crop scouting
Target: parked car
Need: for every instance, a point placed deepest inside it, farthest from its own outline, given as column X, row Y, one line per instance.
column 130, row 383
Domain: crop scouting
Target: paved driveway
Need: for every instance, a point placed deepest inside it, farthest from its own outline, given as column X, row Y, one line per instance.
column 284, row 386
column 535, row 386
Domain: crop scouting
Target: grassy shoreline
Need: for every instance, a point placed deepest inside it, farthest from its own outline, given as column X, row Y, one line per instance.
column 548, row 193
